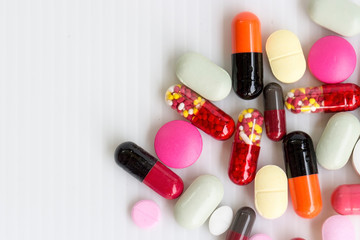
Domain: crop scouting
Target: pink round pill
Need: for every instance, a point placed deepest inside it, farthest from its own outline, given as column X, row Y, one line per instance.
column 338, row 227
column 145, row 213
column 332, row 59
column 178, row 144
column 260, row 236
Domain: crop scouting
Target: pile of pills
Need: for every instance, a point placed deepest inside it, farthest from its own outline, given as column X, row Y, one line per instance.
column 200, row 200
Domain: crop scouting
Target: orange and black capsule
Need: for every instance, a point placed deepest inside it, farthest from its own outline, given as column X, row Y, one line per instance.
column 247, row 63
column 302, row 172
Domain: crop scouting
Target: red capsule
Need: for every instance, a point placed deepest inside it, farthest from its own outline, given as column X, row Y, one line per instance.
column 274, row 113
column 338, row 97
column 346, row 199
column 246, row 147
column 148, row 170
column 200, row 112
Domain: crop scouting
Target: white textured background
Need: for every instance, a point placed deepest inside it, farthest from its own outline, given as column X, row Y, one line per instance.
column 78, row 77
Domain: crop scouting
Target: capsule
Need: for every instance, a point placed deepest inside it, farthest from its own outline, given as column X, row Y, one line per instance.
column 200, row 112
column 147, row 169
column 247, row 62
column 302, row 173
column 346, row 199
column 242, row 224
column 197, row 203
column 327, row 98
column 274, row 113
column 338, row 140
column 246, row 147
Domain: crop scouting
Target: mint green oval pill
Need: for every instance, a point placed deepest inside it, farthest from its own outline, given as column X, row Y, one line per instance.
column 203, row 76
column 337, row 141
column 197, row 203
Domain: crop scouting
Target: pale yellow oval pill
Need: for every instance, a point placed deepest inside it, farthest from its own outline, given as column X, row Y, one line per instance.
column 285, row 56
column 271, row 196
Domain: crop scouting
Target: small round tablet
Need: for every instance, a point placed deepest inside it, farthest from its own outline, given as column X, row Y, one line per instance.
column 145, row 213
column 260, row 236
column 332, row 59
column 220, row 220
column 178, row 144
column 356, row 157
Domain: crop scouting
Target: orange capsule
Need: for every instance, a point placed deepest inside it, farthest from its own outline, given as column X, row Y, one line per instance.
column 247, row 64
column 302, row 173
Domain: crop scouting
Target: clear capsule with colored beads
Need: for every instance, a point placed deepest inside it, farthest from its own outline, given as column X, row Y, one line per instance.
column 246, row 147
column 200, row 112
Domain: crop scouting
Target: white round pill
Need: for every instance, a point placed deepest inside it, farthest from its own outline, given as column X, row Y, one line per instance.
column 356, row 157
column 220, row 220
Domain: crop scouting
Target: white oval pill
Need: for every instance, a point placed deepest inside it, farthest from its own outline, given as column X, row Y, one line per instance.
column 199, row 200
column 337, row 141
column 220, row 220
column 271, row 196
column 285, row 56
column 356, row 157
column 203, row 76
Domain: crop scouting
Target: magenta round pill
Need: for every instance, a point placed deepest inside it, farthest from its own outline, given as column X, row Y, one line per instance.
column 332, row 59
column 145, row 213
column 178, row 144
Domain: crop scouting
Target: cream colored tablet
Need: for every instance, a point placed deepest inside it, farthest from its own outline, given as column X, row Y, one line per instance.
column 285, row 56
column 203, row 76
column 197, row 203
column 271, row 194
column 340, row 16
column 337, row 141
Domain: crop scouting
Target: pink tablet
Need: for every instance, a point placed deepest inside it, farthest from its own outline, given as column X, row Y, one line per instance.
column 332, row 59
column 145, row 213
column 260, row 236
column 178, row 144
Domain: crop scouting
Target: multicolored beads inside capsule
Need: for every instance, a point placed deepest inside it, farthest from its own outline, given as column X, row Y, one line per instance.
column 250, row 127
column 200, row 112
column 246, row 147
column 184, row 101
column 310, row 99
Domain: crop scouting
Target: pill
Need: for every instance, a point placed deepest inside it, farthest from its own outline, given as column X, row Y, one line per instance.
column 200, row 112
column 145, row 213
column 302, row 173
column 297, row 239
column 356, row 157
column 346, row 199
column 332, row 59
column 285, row 56
column 247, row 63
column 203, row 76
column 147, row 169
column 340, row 16
column 246, row 147
column 220, row 220
column 341, row 227
column 260, row 236
column 197, row 203
column 271, row 195
column 242, row 224
column 337, row 97
column 337, row 141
column 274, row 114
column 178, row 144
